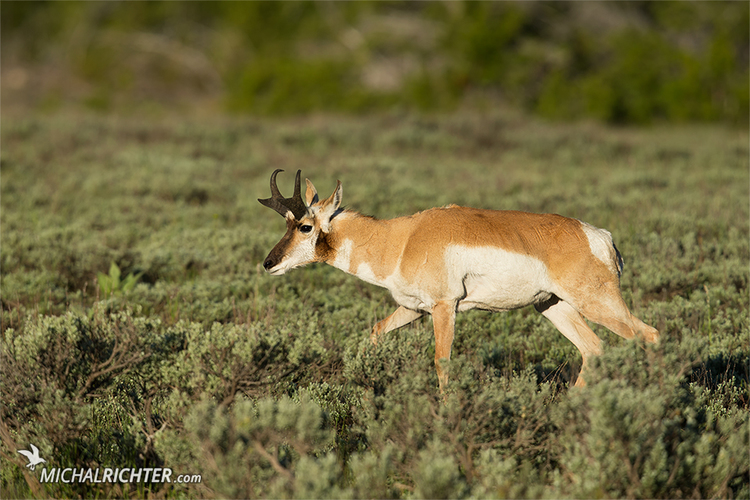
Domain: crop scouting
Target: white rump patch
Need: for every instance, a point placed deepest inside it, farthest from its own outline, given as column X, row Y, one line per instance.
column 600, row 243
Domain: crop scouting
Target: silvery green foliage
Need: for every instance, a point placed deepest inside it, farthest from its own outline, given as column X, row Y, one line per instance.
column 225, row 359
column 642, row 429
column 208, row 354
column 649, row 423
column 65, row 383
column 264, row 448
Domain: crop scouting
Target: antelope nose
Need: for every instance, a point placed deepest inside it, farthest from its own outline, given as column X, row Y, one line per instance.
column 268, row 264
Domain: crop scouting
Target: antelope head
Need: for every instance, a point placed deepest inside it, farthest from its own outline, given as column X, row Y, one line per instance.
column 308, row 222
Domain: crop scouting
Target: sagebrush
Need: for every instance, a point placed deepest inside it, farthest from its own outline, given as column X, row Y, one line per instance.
column 269, row 387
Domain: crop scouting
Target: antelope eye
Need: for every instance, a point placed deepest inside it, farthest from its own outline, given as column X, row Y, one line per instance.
column 305, row 229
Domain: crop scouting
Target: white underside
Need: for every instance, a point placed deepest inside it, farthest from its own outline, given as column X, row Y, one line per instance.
column 495, row 279
column 478, row 278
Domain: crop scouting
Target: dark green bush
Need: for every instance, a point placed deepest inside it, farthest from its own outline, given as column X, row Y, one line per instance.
column 282, row 86
column 619, row 62
column 71, row 385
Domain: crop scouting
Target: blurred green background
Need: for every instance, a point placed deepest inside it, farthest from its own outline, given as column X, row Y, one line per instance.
column 616, row 62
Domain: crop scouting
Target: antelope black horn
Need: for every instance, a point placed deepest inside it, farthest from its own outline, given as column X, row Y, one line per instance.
column 283, row 205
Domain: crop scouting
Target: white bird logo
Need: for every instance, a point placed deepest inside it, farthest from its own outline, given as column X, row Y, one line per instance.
column 32, row 456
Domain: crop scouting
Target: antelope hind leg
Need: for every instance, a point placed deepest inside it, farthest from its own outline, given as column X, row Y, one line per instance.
column 572, row 325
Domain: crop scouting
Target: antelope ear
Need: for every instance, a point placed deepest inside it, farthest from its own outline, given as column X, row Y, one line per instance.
column 311, row 194
column 328, row 208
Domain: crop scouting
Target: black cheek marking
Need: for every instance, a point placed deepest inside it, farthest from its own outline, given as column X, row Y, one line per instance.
column 323, row 249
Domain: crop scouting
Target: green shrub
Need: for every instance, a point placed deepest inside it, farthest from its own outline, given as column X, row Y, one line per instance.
column 642, row 430
column 68, row 387
column 255, row 449
column 226, row 360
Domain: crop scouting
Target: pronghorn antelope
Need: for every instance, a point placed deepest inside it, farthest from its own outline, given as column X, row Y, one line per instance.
column 444, row 260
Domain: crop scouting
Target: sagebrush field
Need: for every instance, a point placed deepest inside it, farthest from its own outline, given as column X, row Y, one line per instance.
column 139, row 329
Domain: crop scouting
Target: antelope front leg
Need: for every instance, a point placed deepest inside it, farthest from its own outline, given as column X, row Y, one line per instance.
column 444, row 321
column 399, row 318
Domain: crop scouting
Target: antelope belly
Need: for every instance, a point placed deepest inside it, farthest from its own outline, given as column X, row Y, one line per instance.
column 496, row 279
